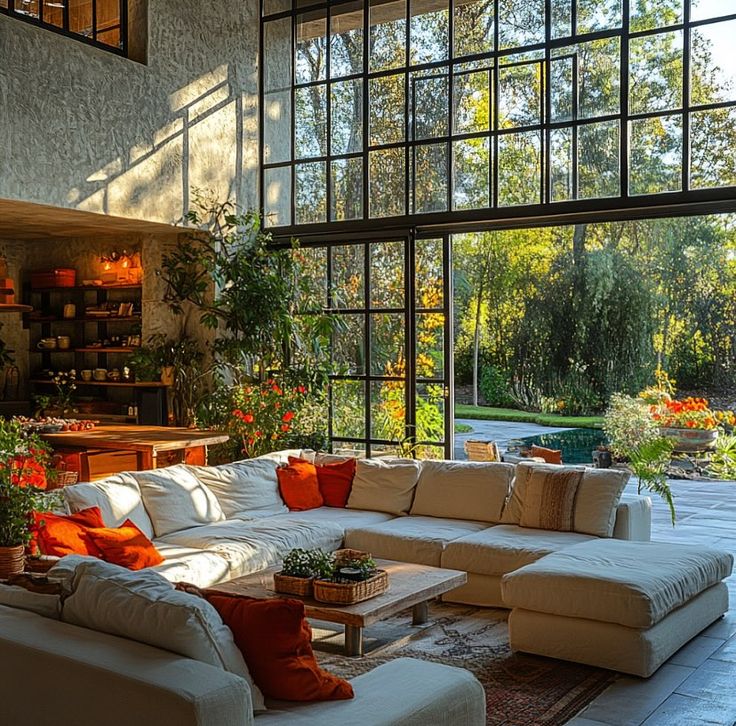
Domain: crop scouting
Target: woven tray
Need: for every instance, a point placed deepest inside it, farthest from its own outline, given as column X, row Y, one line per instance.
column 349, row 593
column 62, row 479
column 288, row 585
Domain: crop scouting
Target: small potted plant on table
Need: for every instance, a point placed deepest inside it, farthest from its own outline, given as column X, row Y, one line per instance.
column 354, row 578
column 298, row 570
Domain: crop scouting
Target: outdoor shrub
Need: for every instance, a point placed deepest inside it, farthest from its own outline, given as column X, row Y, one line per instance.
column 628, row 424
column 494, row 386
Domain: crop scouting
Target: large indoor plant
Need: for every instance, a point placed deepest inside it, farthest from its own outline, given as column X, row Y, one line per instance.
column 23, row 461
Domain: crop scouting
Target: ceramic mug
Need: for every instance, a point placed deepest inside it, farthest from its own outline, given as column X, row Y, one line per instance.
column 64, row 342
column 100, row 374
column 46, row 344
column 87, row 375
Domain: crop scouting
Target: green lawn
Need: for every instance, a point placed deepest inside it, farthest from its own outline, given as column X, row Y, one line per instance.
column 489, row 413
column 462, row 428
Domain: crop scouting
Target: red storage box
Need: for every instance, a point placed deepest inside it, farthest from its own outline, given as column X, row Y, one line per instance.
column 60, row 277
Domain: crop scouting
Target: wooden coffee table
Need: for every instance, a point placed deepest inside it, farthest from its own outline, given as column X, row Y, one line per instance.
column 409, row 586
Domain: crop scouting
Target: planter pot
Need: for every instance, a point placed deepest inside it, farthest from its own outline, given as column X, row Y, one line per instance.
column 689, row 440
column 167, row 375
column 602, row 459
column 12, row 561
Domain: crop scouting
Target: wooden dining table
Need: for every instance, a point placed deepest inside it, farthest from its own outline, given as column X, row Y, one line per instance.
column 104, row 450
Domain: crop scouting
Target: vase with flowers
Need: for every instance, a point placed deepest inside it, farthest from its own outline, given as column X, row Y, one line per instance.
column 690, row 423
column 24, row 458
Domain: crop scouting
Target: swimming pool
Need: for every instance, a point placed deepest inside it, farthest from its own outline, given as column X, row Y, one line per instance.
column 576, row 444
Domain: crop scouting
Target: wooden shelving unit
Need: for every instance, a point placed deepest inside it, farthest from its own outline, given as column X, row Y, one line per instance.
column 105, row 384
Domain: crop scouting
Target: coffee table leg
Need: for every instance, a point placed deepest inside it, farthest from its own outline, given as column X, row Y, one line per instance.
column 353, row 640
column 420, row 613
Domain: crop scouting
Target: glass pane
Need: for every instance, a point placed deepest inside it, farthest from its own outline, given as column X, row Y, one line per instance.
column 387, row 179
column 347, row 117
column 348, row 345
column 702, row 9
column 110, row 37
column 519, row 95
column 311, row 192
column 430, row 178
column 595, row 15
column 387, row 34
column 80, row 17
column 277, row 127
column 599, row 64
column 387, row 344
column 655, row 72
column 430, row 105
column 429, row 33
column 277, row 55
column 712, row 149
column 348, row 276
column 387, row 119
column 346, row 43
column 651, row 14
column 471, row 159
column 348, row 409
column 561, row 171
column 430, row 362
column 311, row 122
column 430, row 413
column 387, row 275
column 472, row 102
column 312, row 264
column 277, row 196
column 428, row 273
column 713, row 74
column 562, row 89
column 53, row 12
column 473, row 27
column 519, row 169
column 388, row 411
column 520, row 23
column 271, row 7
column 347, row 189
column 311, row 47
column 561, row 19
column 425, row 452
column 656, row 155
column 598, row 160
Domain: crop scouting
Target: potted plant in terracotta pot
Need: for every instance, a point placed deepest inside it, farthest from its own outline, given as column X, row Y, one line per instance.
column 23, row 461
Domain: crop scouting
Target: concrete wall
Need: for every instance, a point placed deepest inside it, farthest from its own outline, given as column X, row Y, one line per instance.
column 86, row 129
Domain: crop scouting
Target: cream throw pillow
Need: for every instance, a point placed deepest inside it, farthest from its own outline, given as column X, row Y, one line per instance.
column 144, row 606
column 384, row 485
column 549, row 502
column 463, row 490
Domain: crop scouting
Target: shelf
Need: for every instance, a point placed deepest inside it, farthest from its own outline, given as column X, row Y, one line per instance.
column 86, row 287
column 87, row 319
column 12, row 308
column 106, row 384
column 83, row 350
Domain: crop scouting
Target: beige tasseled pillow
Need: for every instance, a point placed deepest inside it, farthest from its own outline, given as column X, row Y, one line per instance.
column 550, row 500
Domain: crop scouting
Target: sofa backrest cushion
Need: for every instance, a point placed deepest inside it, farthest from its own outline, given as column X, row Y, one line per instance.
column 282, row 457
column 144, row 606
column 118, row 497
column 175, row 499
column 384, row 485
column 595, row 503
column 463, row 490
column 243, row 486
column 47, row 605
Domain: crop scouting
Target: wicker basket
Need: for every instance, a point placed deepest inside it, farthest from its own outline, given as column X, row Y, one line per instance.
column 288, row 585
column 349, row 593
column 482, row 451
column 62, row 479
column 342, row 557
column 12, row 560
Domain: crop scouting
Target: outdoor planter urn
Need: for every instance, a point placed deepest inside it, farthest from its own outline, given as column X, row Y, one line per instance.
column 691, row 440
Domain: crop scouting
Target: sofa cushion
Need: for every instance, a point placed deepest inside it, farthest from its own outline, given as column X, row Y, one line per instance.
column 345, row 518
column 411, row 539
column 67, row 534
column 144, row 606
column 551, row 456
column 595, row 503
column 188, row 564
column 175, row 499
column 336, row 481
column 384, row 485
column 252, row 545
column 463, row 490
column 126, row 546
column 47, row 605
column 549, row 502
column 243, row 486
column 299, row 486
column 502, row 549
column 635, row 584
column 282, row 457
column 118, row 497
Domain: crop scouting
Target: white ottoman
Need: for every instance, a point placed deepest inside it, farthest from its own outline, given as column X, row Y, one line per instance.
column 616, row 604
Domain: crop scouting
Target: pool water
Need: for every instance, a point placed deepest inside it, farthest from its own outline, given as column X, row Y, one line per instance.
column 576, row 444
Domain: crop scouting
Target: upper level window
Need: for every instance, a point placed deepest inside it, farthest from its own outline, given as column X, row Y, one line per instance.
column 100, row 22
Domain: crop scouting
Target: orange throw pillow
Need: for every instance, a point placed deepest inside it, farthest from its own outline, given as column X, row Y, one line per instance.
column 126, row 546
column 551, row 456
column 60, row 535
column 276, row 642
column 336, row 481
column 299, row 486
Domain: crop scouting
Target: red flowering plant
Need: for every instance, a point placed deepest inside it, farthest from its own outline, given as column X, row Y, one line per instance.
column 690, row 413
column 24, row 458
column 264, row 413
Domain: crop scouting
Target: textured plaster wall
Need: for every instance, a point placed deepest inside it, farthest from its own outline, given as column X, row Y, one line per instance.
column 83, row 128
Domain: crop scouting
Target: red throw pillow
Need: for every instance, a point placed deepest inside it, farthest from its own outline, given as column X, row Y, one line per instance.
column 336, row 481
column 60, row 535
column 276, row 642
column 551, row 456
column 126, row 546
column 299, row 486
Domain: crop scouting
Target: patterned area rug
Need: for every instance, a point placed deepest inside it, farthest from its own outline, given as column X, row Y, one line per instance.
column 521, row 690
